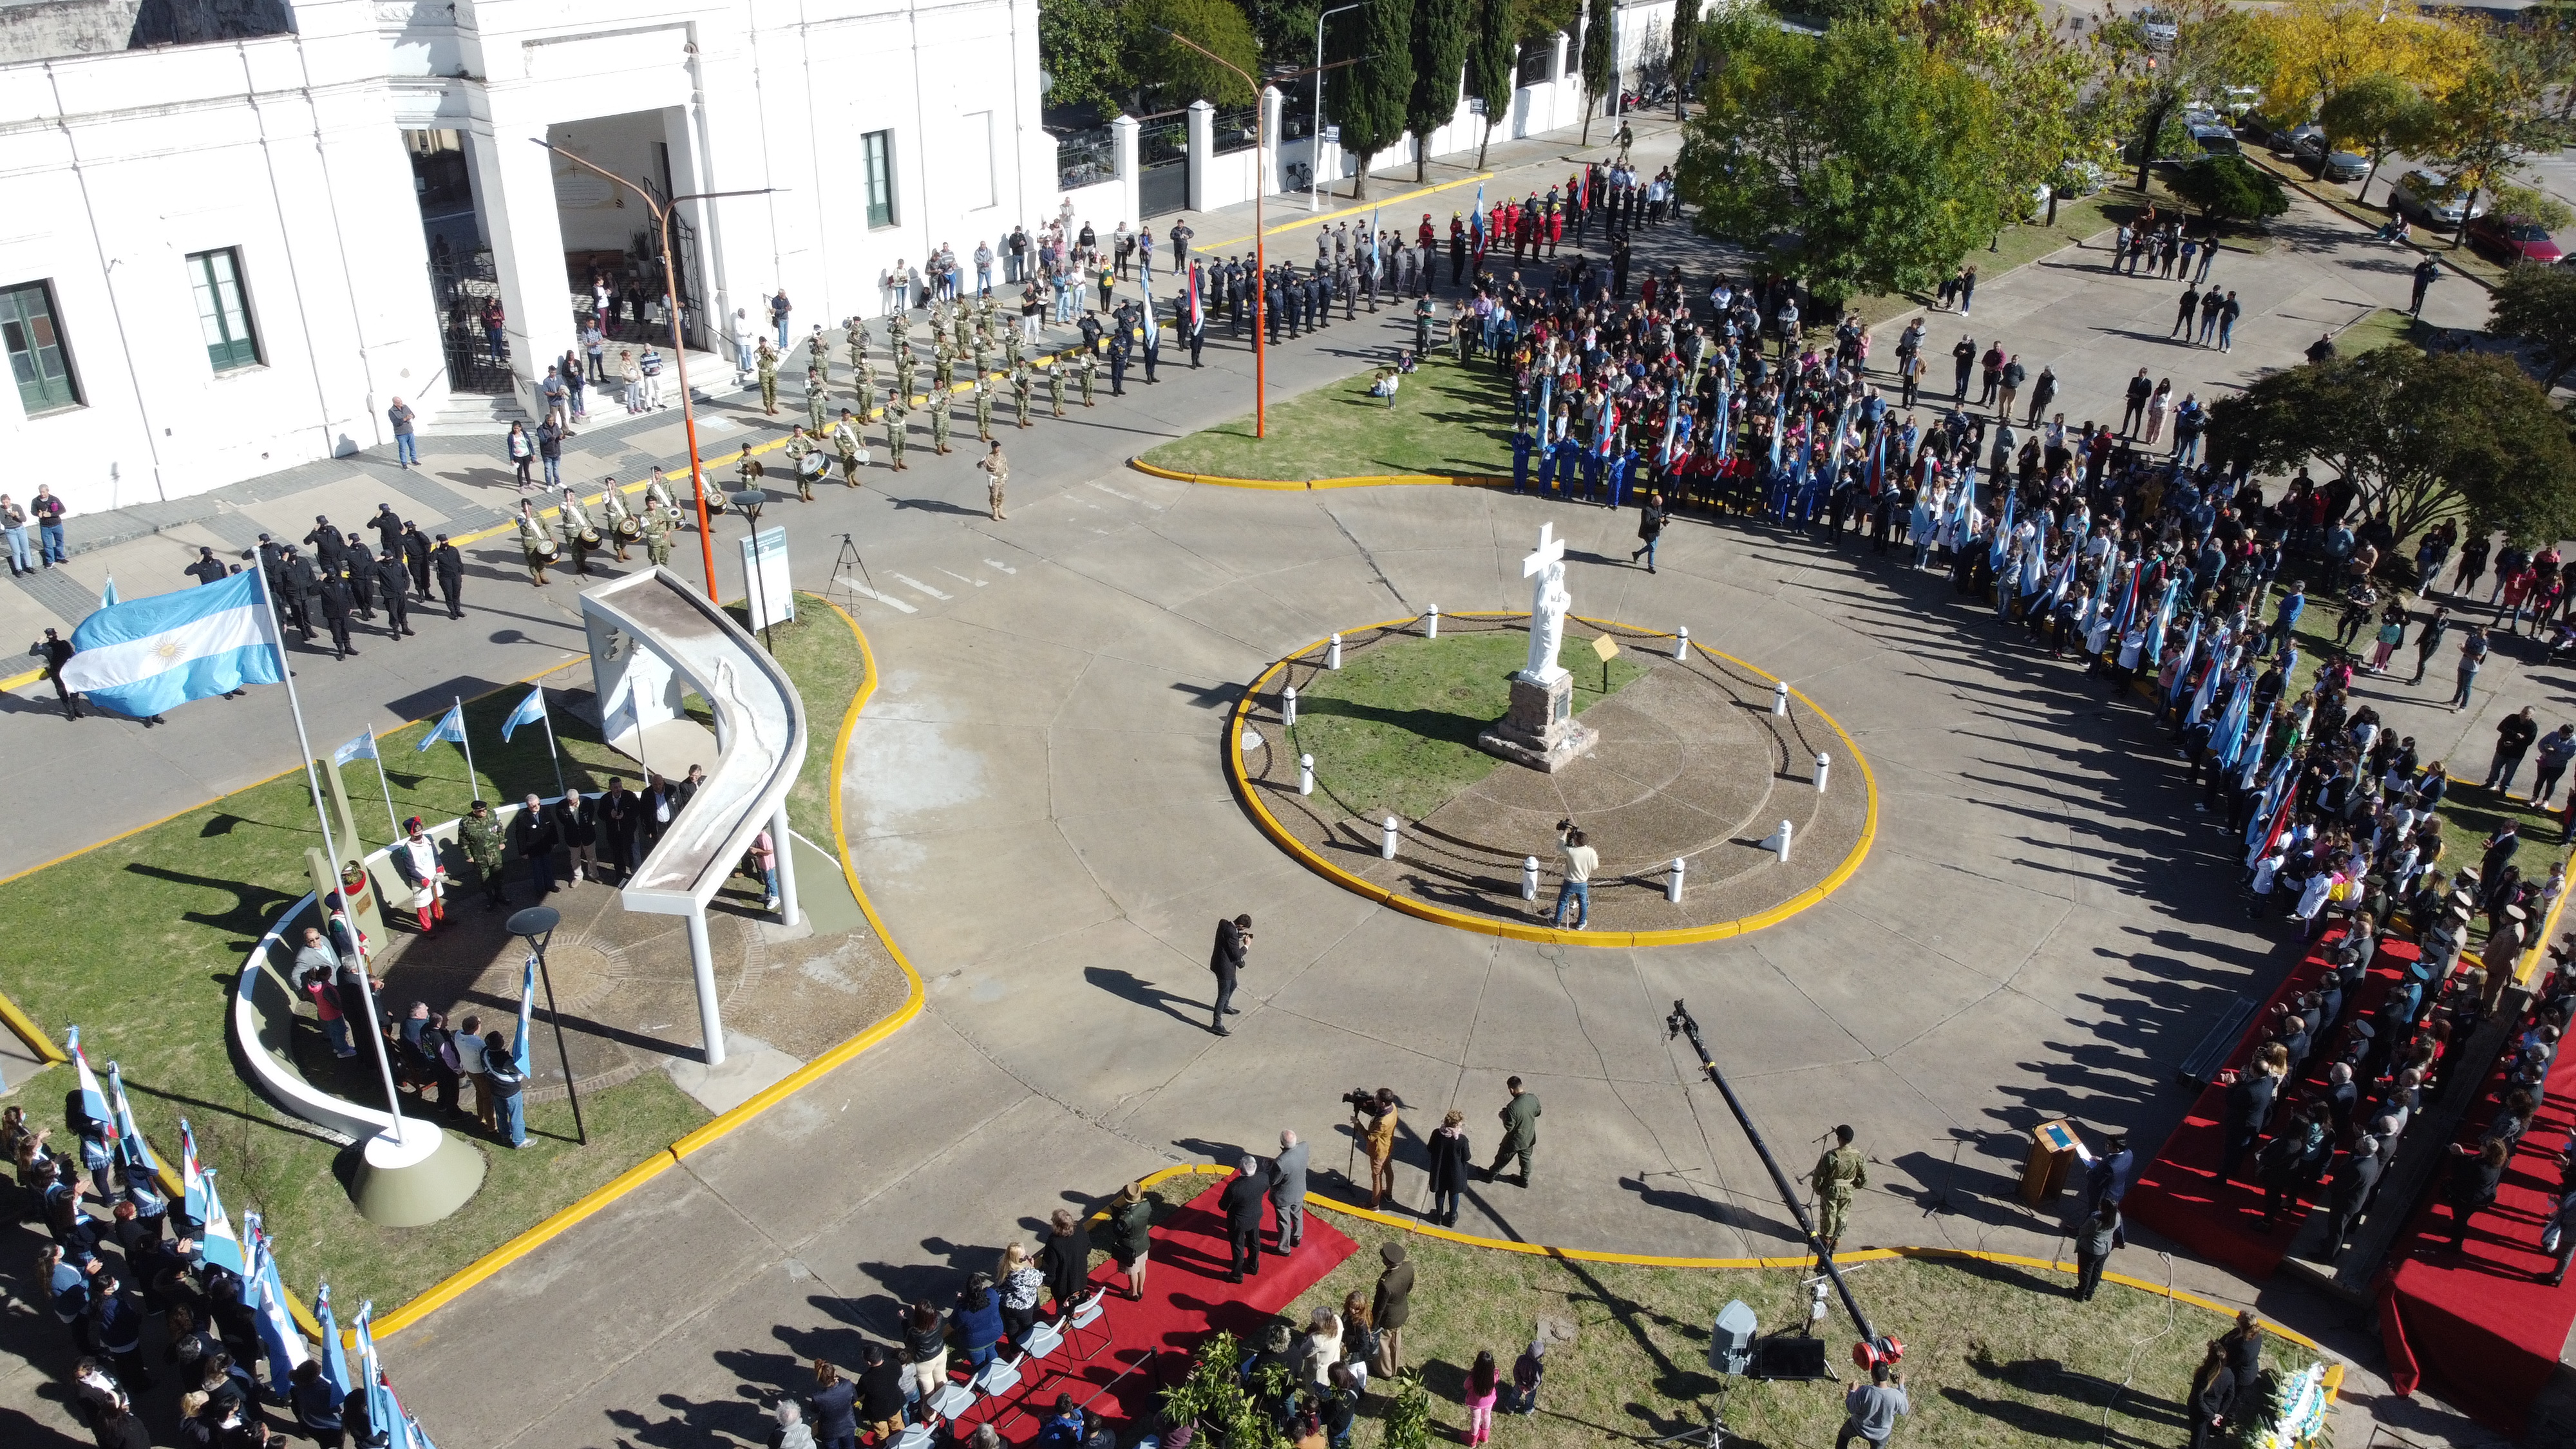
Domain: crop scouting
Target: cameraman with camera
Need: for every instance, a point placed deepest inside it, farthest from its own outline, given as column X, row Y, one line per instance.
column 1579, row 861
column 1233, row 940
column 1379, row 1132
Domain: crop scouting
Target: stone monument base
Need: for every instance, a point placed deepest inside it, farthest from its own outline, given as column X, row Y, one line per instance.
column 1539, row 731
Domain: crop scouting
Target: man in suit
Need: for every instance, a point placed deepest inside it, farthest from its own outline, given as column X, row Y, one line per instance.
column 2249, row 1108
column 2352, row 1191
column 2108, row 1180
column 1233, row 939
column 533, row 838
column 616, row 807
column 1242, row 1201
column 1288, row 1192
column 449, row 565
column 577, row 822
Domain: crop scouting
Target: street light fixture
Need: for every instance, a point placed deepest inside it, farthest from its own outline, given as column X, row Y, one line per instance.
column 749, row 502
column 537, row 925
column 1260, row 262
column 679, row 346
column 1315, row 137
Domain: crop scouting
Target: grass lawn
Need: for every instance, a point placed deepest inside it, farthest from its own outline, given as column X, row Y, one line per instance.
column 1446, row 419
column 1395, row 728
column 146, row 934
column 2387, row 327
column 1996, row 1356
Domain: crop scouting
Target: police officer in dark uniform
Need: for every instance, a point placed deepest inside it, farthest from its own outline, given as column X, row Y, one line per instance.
column 1197, row 334
column 324, row 540
column 334, row 597
column 208, row 569
column 415, row 552
column 1153, row 343
column 1118, row 342
column 359, row 567
column 449, row 565
column 1272, row 296
column 393, row 581
column 388, row 526
column 303, row 585
column 57, row 651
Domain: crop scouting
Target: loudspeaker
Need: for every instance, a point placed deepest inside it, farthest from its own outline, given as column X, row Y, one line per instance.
column 1730, row 1341
column 1788, row 1356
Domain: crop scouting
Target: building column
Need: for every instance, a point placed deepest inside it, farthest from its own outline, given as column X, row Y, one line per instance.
column 784, row 840
column 1274, row 109
column 1122, row 140
column 1564, row 44
column 1202, row 129
column 702, row 958
column 527, row 250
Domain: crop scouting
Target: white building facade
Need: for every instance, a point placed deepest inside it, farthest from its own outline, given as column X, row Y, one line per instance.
column 228, row 250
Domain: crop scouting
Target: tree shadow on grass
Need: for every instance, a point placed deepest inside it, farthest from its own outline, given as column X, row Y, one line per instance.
column 253, row 905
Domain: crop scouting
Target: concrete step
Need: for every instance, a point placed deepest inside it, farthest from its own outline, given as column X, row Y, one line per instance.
column 466, row 412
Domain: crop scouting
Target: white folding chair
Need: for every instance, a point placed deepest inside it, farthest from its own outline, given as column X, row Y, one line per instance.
column 952, row 1400
column 1089, row 1314
column 1042, row 1339
column 914, row 1436
column 996, row 1378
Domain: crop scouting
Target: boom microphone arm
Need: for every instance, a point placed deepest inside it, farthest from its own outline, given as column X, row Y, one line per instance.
column 1680, row 1024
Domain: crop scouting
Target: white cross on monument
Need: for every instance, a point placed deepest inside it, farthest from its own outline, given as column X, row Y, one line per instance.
column 1548, row 603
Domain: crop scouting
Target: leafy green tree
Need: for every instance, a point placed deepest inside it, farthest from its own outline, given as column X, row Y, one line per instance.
column 2419, row 435
column 2039, row 76
column 2231, row 188
column 1685, row 54
column 2377, row 114
column 1493, row 65
column 1080, row 44
column 2489, row 123
column 1367, row 98
column 1441, row 35
column 1598, row 63
column 1879, row 157
column 1155, row 59
column 2146, row 82
column 2536, row 306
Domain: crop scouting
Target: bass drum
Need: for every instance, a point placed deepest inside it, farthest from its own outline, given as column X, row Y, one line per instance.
column 630, row 528
column 543, row 548
column 587, row 538
column 813, row 466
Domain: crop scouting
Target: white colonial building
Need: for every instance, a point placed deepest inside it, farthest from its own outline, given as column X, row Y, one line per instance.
column 235, row 230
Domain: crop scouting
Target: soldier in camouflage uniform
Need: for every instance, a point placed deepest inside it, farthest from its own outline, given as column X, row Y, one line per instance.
column 479, row 835
column 1055, row 385
column 1087, row 369
column 799, row 448
column 818, row 354
column 857, row 339
column 817, row 398
column 943, row 367
column 657, row 538
column 850, row 440
column 983, row 409
column 1839, row 1173
column 1022, row 386
column 942, row 403
column 768, row 365
column 898, row 429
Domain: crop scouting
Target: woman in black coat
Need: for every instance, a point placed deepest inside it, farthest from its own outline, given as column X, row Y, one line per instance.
column 1131, row 1235
column 2475, row 1175
column 2213, row 1394
column 1449, row 1158
column 1066, row 1258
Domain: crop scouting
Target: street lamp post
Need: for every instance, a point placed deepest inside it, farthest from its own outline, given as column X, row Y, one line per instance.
column 755, row 589
column 679, row 345
column 537, row 925
column 1315, row 137
column 1260, row 263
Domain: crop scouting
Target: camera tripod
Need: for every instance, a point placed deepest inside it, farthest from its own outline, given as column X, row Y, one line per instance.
column 840, row 583
column 1713, row 1435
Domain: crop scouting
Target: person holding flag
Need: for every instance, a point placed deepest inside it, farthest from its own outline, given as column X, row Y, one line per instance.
column 321, row 1385
column 98, row 1150
column 143, row 658
column 1193, row 316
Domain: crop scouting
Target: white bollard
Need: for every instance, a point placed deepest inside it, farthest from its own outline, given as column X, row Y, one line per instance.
column 1783, row 838
column 1673, row 882
column 1824, row 762
column 1333, row 655
column 1681, row 642
column 1779, row 697
column 1305, row 774
column 1386, row 846
column 1288, row 707
column 1432, row 619
column 1529, row 877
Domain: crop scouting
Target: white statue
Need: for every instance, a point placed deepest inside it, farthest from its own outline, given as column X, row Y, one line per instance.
column 1548, row 602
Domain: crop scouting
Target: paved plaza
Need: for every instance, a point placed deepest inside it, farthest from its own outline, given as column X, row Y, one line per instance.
column 1038, row 808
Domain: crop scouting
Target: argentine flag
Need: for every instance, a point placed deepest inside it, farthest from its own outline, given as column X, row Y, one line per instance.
column 530, row 710
column 155, row 654
column 93, row 1098
column 451, row 729
column 267, row 1297
column 130, row 1146
column 192, row 1178
column 527, row 1012
column 335, row 1362
column 219, row 1244
column 361, row 747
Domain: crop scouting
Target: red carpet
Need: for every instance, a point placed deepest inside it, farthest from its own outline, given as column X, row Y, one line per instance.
column 2478, row 1328
column 1186, row 1296
column 2179, row 1194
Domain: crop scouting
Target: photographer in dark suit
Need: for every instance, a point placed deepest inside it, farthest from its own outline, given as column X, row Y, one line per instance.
column 1242, row 1202
column 1233, row 939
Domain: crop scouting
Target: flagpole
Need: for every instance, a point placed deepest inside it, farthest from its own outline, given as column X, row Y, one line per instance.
column 465, row 742
column 331, row 854
column 554, row 752
column 384, row 784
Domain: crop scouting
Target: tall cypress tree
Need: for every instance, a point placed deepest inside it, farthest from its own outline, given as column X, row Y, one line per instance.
column 1597, row 61
column 1685, row 51
column 1369, row 96
column 1440, row 36
column 1493, row 64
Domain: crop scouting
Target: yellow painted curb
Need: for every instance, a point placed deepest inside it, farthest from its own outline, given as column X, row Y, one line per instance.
column 1864, row 1255
column 1286, row 840
column 455, row 1284
column 1361, row 480
column 37, row 1042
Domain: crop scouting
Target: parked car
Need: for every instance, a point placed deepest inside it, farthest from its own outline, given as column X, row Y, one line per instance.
column 2337, row 165
column 2237, row 100
column 2264, row 131
column 2159, row 27
column 2215, row 140
column 2513, row 239
column 2432, row 199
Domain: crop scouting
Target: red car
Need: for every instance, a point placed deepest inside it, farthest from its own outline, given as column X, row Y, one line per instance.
column 2513, row 239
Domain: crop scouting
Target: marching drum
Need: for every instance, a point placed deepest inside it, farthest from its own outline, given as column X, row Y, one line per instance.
column 813, row 466
column 587, row 538
column 629, row 527
column 543, row 548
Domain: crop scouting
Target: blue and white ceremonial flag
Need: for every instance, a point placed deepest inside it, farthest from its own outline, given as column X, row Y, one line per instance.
column 527, row 1012
column 361, row 748
column 192, row 1179
column 93, row 1097
column 451, row 729
column 2182, row 676
column 267, row 1299
column 155, row 654
column 335, row 1364
column 130, row 1146
column 531, row 710
column 221, row 1246
column 1476, row 222
column 107, row 592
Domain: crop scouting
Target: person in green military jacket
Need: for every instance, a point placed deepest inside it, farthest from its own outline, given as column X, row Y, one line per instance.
column 943, row 368
column 898, row 431
column 1055, row 385
column 817, row 397
column 768, row 365
column 800, row 446
column 850, row 440
column 1022, row 386
column 942, row 403
column 1839, row 1173
column 1087, row 369
column 479, row 833
column 657, row 537
column 983, row 409
column 1520, row 1132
